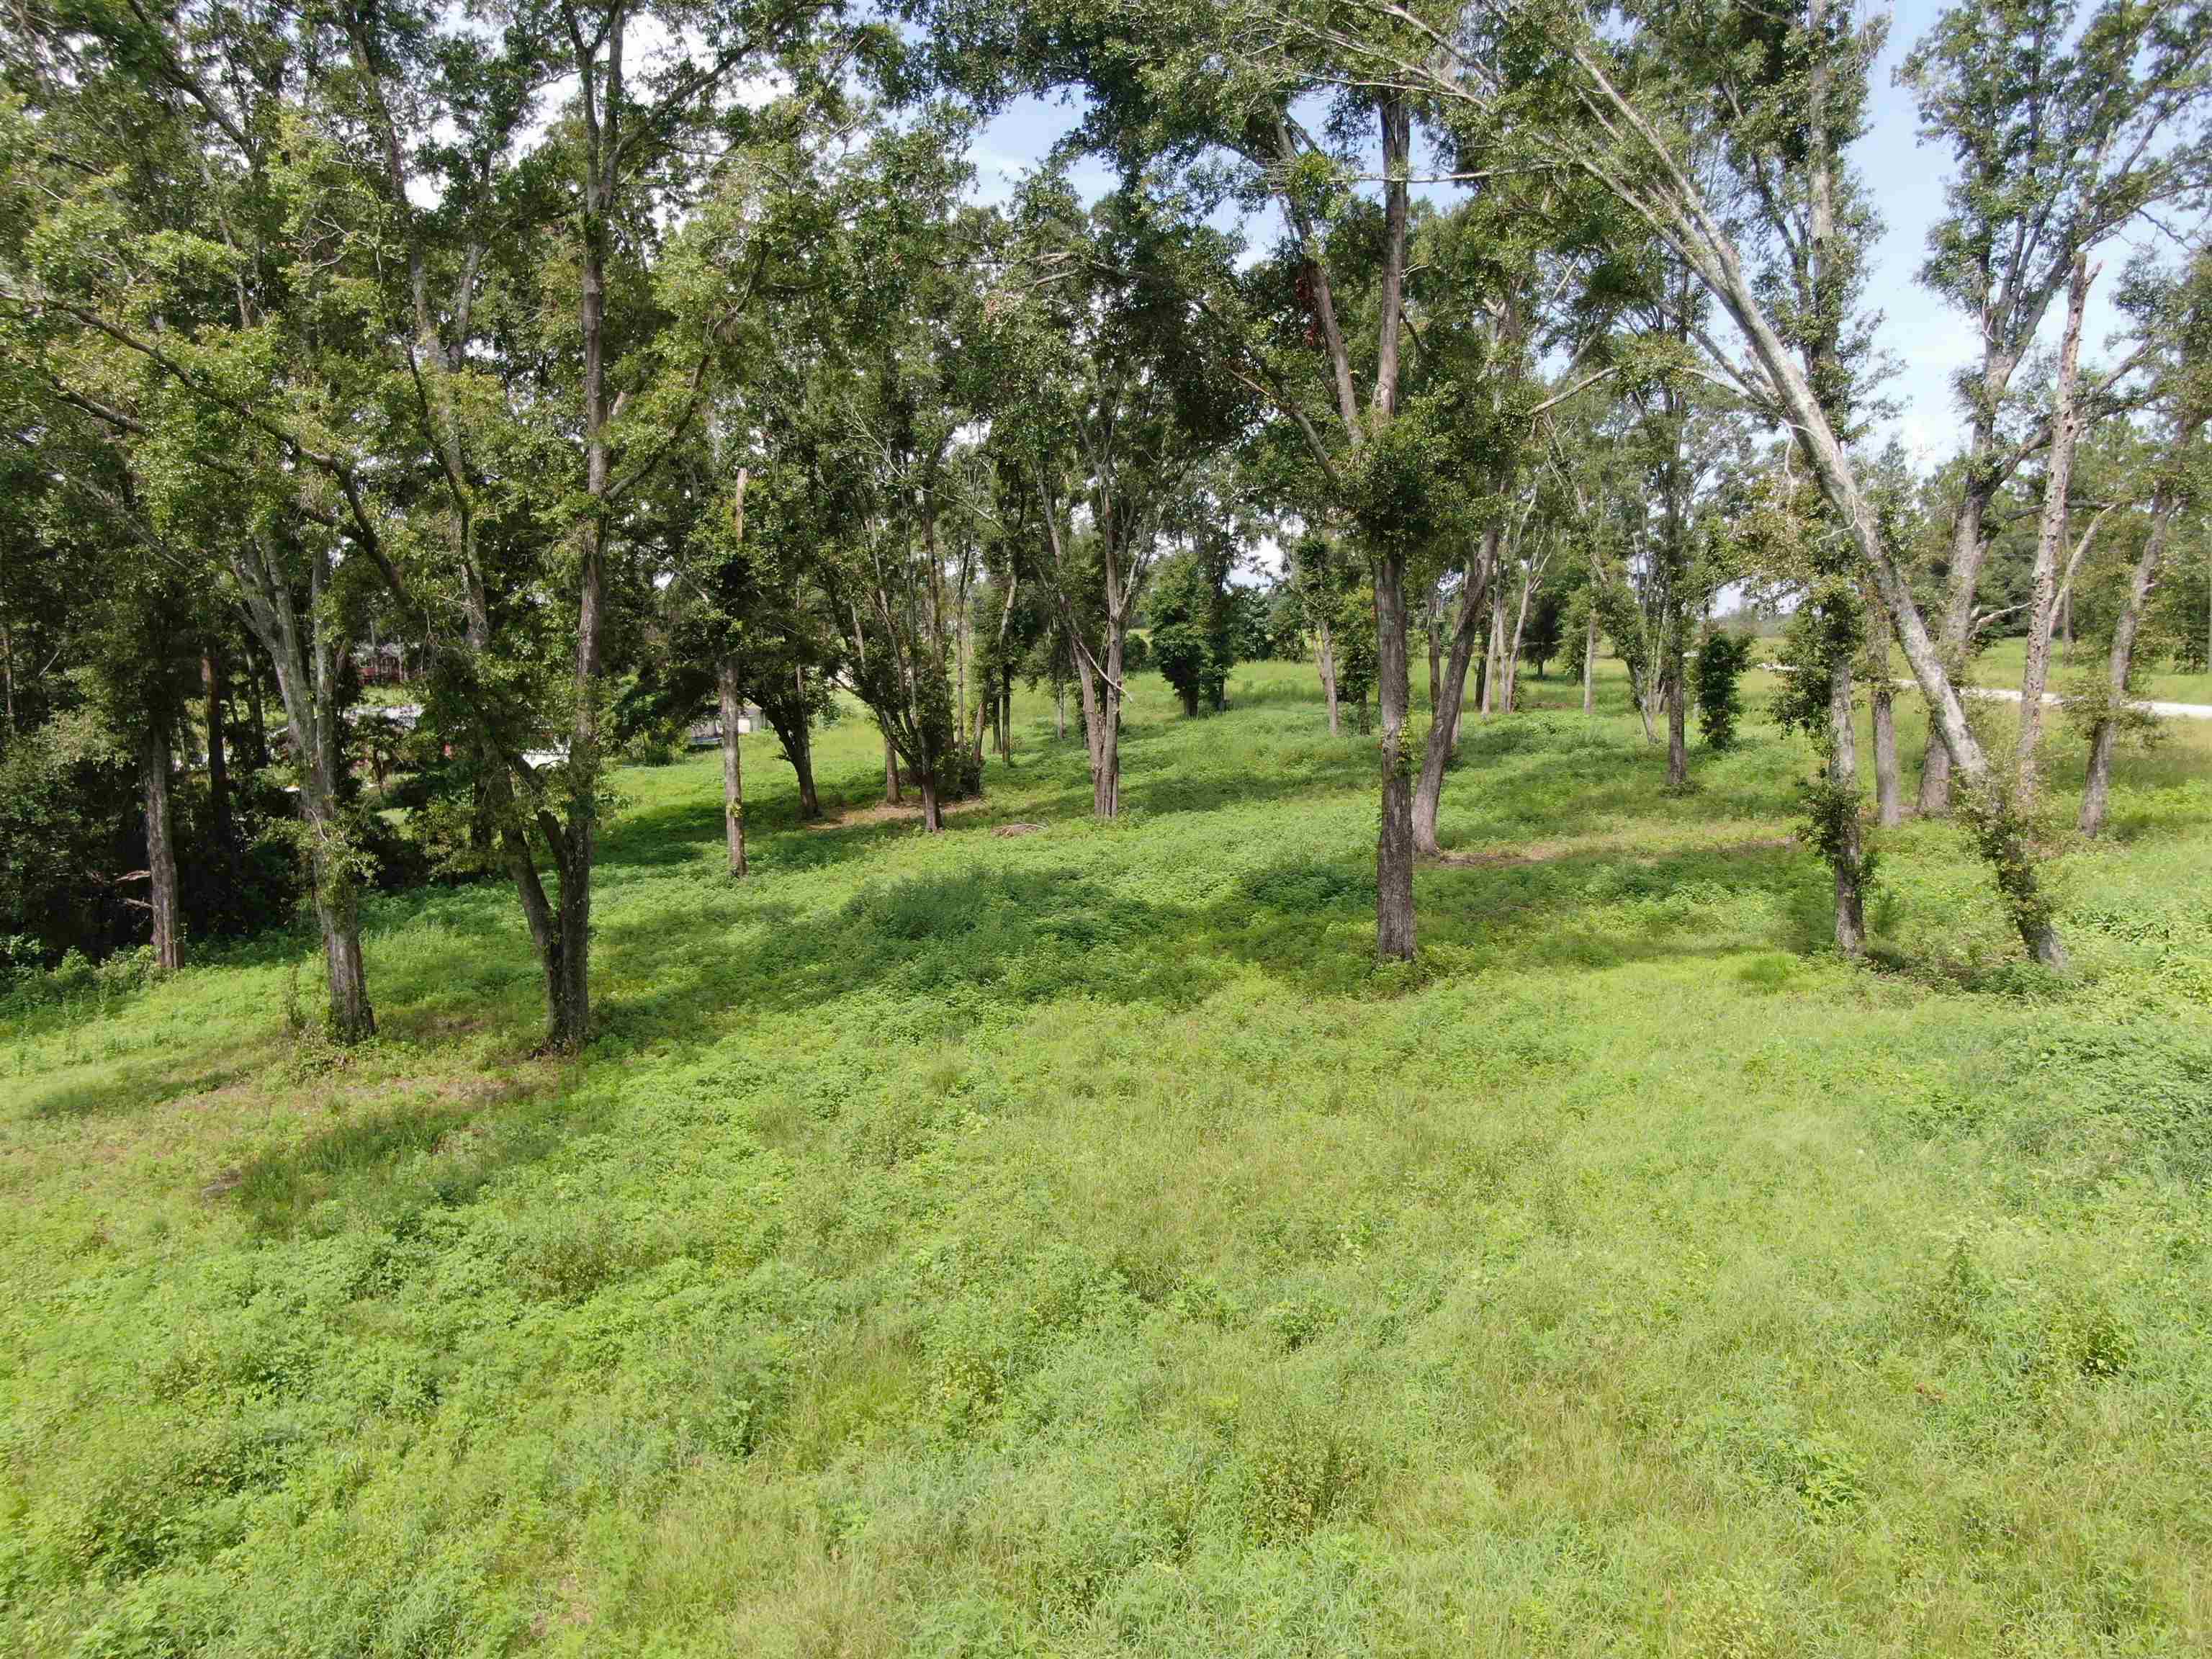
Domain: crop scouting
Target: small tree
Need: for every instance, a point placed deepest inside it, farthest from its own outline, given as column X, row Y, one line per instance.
column 1721, row 658
column 1545, row 628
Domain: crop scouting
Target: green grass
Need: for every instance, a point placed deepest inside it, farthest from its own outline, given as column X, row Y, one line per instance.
column 1068, row 1243
column 2001, row 663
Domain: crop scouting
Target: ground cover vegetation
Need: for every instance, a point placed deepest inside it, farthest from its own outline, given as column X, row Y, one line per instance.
column 1064, row 1242
column 1100, row 1112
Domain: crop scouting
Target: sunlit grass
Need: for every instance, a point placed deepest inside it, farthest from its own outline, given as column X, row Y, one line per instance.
column 1069, row 1242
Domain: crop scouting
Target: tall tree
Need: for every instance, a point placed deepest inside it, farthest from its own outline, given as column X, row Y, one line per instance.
column 2062, row 128
column 1622, row 89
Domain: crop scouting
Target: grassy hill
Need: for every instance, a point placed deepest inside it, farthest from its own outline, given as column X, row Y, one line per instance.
column 1067, row 1243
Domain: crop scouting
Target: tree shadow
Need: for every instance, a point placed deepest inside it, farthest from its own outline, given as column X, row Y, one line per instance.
column 398, row 1159
column 131, row 1088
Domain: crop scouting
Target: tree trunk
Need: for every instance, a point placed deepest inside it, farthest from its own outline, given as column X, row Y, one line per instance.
column 1513, row 647
column 1443, row 723
column 800, row 741
column 733, row 777
column 218, row 758
column 1589, row 663
column 258, row 717
column 1106, row 752
column 1060, row 710
column 891, row 791
column 1888, row 785
column 1844, row 775
column 932, row 814
column 1325, row 658
column 1492, row 663
column 1393, row 845
column 304, row 663
column 1436, row 657
column 161, row 853
column 1672, row 687
column 1968, row 549
column 2050, row 536
column 2104, row 736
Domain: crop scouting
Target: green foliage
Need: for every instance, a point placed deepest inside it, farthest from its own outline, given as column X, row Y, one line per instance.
column 1720, row 662
column 1191, row 639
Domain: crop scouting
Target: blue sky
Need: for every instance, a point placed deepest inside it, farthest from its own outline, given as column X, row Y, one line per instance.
column 1926, row 340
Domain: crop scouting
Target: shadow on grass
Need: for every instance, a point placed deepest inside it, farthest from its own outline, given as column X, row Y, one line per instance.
column 133, row 1087
column 397, row 1160
column 958, row 946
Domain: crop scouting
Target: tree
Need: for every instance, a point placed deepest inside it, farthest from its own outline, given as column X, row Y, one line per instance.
column 2063, row 128
column 2177, row 314
column 1159, row 105
column 1622, row 98
column 1722, row 658
column 1541, row 637
column 1110, row 419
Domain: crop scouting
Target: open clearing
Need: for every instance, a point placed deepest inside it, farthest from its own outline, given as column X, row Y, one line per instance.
column 1067, row 1242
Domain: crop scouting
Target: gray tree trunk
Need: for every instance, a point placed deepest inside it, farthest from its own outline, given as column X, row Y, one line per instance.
column 161, row 853
column 301, row 656
column 2050, row 539
column 1589, row 665
column 1393, row 844
column 1843, row 773
column 1672, row 688
column 1325, row 659
column 1443, row 724
column 1888, row 785
column 2104, row 736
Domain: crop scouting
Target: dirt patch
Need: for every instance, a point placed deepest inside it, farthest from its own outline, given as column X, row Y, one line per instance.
column 885, row 812
column 221, row 1184
column 1018, row 830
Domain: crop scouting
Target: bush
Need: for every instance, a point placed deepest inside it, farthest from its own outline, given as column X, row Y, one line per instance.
column 1721, row 658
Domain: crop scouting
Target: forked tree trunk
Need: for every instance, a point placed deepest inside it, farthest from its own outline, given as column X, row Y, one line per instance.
column 161, row 853
column 1106, row 742
column 1968, row 549
column 2104, row 736
column 932, row 814
column 733, row 777
column 304, row 663
column 2051, row 536
column 1520, row 632
column 1443, row 724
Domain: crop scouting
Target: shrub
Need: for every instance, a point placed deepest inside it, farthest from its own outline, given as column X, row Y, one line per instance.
column 1721, row 658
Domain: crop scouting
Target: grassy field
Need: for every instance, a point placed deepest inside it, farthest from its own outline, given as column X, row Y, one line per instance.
column 1067, row 1243
column 2000, row 665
